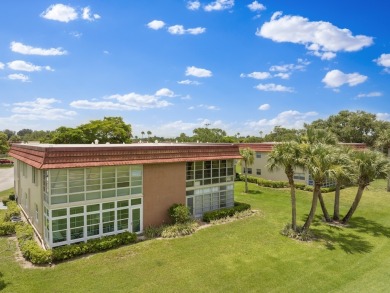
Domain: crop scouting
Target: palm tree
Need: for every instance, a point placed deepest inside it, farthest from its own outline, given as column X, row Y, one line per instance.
column 319, row 160
column 248, row 157
column 383, row 141
column 142, row 134
column 149, row 133
column 287, row 155
column 370, row 165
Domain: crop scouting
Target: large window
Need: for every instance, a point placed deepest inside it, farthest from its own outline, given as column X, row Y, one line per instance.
column 84, row 184
column 209, row 185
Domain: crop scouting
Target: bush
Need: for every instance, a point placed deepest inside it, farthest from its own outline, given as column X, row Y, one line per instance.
column 12, row 210
column 300, row 234
column 225, row 212
column 154, row 231
column 179, row 229
column 94, row 245
column 7, row 228
column 300, row 186
column 179, row 213
column 11, row 197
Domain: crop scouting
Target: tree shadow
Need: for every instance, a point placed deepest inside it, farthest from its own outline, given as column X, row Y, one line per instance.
column 2, row 283
column 373, row 228
column 254, row 192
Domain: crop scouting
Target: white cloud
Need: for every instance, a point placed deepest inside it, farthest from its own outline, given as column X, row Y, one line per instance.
column 189, row 82
column 19, row 76
column 87, row 15
column 384, row 60
column 165, row 92
column 219, row 5
column 40, row 109
column 256, row 6
column 264, row 107
column 369, row 95
column 180, row 30
column 156, row 24
column 193, row 5
column 287, row 119
column 257, row 75
column 271, row 87
column 336, row 78
column 76, row 34
column 202, row 106
column 60, row 12
column 21, row 65
column 321, row 38
column 131, row 101
column 198, row 72
column 2, row 65
column 28, row 50
column 283, row 75
column 383, row 116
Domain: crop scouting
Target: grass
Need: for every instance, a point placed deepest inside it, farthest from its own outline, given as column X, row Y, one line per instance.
column 248, row 255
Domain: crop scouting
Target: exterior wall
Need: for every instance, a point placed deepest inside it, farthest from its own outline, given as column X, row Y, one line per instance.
column 29, row 193
column 163, row 185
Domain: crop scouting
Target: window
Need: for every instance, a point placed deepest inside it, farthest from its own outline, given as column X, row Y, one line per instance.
column 249, row 170
column 299, row 176
column 258, row 171
column 34, row 175
column 36, row 213
column 258, row 155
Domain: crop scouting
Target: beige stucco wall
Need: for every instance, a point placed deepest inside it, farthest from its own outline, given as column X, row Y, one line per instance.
column 34, row 191
column 163, row 185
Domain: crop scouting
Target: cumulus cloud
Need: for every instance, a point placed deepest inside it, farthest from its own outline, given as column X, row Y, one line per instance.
column 383, row 116
column 321, row 38
column 265, row 107
column 156, row 24
column 219, row 5
column 271, row 87
column 87, row 15
column 29, row 50
column 21, row 65
column 384, row 60
column 256, row 6
column 198, row 72
column 336, row 78
column 2, row 65
column 131, row 101
column 287, row 119
column 189, row 82
column 40, row 109
column 180, row 30
column 193, row 5
column 19, row 76
column 257, row 75
column 165, row 92
column 66, row 13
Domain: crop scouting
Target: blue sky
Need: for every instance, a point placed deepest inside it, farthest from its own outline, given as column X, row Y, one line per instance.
column 171, row 66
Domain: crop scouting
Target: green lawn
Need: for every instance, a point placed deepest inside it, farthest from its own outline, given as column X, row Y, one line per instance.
column 248, row 255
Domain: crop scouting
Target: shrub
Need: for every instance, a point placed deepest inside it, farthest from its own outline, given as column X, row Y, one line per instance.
column 153, row 231
column 300, row 186
column 11, row 197
column 225, row 212
column 7, row 228
column 93, row 245
column 12, row 210
column 179, row 213
column 300, row 234
column 179, row 229
column 309, row 188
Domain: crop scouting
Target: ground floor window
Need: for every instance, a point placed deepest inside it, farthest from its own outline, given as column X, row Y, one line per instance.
column 80, row 223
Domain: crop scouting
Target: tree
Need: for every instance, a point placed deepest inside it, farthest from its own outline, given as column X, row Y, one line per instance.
column 319, row 161
column 3, row 143
column 108, row 130
column 14, row 138
column 142, row 134
column 23, row 132
column 369, row 165
column 383, row 142
column 67, row 135
column 149, row 133
column 208, row 134
column 248, row 157
column 9, row 133
column 287, row 155
column 280, row 134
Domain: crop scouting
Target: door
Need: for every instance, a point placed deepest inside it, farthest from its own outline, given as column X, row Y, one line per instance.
column 136, row 219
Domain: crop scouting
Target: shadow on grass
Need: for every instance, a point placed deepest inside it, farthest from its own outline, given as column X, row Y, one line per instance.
column 373, row 228
column 2, row 283
column 254, row 192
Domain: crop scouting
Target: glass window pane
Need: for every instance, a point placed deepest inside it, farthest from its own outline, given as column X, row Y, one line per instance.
column 59, row 199
column 108, row 193
column 123, row 191
column 93, row 208
column 136, row 201
column 76, row 233
column 76, row 197
column 136, row 190
column 108, row 205
column 122, row 203
column 93, row 195
column 60, row 224
column 76, row 221
column 76, row 210
column 58, row 213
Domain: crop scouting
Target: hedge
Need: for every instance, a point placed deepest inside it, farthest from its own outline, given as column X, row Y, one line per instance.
column 225, row 212
column 94, row 245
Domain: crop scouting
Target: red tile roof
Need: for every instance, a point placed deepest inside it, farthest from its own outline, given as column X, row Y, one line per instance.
column 267, row 146
column 73, row 156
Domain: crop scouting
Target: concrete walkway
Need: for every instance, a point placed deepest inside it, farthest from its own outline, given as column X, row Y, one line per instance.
column 6, row 178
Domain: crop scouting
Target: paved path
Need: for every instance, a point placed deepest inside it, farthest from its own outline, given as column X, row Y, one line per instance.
column 6, row 178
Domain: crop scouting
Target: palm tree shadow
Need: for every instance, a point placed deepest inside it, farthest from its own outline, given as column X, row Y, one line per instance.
column 254, row 191
column 373, row 228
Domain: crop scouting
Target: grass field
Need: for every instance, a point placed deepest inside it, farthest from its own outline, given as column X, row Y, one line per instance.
column 248, row 255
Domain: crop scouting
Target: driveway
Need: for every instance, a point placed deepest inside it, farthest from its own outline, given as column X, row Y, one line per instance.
column 6, row 178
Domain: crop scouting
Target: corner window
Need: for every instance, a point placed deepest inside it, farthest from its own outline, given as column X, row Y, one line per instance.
column 258, row 171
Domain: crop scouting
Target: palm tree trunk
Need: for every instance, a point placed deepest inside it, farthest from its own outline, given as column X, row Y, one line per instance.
column 355, row 204
column 336, row 211
column 246, row 178
column 323, row 207
column 293, row 204
column 309, row 220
